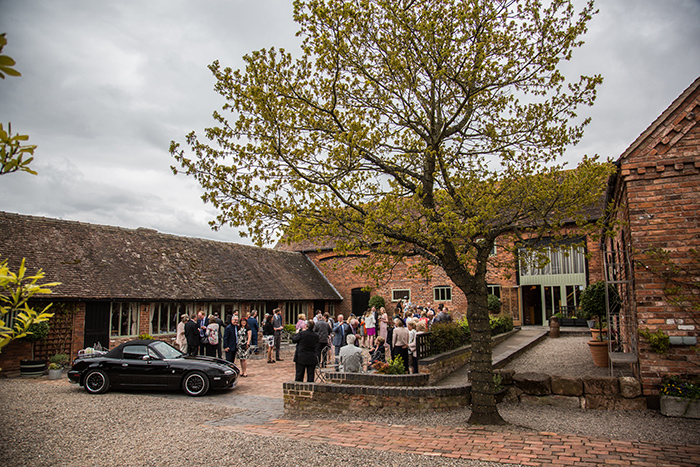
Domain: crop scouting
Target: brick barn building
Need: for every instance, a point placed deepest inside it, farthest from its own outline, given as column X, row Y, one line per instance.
column 657, row 193
column 118, row 283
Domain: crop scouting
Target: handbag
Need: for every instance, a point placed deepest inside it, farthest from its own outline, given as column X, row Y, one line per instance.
column 204, row 340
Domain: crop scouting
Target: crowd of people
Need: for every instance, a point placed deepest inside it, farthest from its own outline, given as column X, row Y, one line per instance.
column 319, row 340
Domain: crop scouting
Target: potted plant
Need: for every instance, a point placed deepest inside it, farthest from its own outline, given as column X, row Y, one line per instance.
column 35, row 333
column 598, row 331
column 594, row 307
column 56, row 365
column 55, row 371
column 680, row 398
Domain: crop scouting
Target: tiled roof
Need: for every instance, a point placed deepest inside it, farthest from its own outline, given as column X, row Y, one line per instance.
column 103, row 262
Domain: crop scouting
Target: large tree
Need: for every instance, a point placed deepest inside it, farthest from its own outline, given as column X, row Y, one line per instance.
column 424, row 128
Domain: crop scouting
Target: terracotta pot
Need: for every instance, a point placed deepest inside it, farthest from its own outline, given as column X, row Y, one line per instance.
column 595, row 334
column 599, row 352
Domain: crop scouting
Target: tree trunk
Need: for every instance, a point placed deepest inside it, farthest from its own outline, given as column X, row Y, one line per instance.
column 484, row 409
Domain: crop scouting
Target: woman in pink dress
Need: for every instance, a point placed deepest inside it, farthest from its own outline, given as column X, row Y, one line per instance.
column 383, row 320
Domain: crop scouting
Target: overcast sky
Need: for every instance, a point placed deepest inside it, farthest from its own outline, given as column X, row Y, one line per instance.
column 106, row 85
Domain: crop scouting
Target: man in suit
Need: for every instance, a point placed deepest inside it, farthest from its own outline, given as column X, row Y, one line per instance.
column 192, row 336
column 278, row 325
column 340, row 332
column 350, row 356
column 231, row 339
column 202, row 325
column 305, row 354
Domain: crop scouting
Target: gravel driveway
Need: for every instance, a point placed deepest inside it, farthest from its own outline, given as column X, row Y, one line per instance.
column 55, row 423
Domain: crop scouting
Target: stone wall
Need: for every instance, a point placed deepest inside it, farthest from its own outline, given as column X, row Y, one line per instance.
column 588, row 392
column 602, row 393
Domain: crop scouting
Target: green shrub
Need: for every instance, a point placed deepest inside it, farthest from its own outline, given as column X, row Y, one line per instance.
column 290, row 329
column 500, row 324
column 395, row 366
column 658, row 341
column 593, row 301
column 54, row 366
column 447, row 336
column 377, row 302
column 36, row 332
column 60, row 359
column 494, row 304
column 145, row 337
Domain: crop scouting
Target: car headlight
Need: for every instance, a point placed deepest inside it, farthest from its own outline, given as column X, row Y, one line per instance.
column 228, row 372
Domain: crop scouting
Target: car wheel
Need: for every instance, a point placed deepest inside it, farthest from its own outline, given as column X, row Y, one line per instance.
column 96, row 382
column 195, row 384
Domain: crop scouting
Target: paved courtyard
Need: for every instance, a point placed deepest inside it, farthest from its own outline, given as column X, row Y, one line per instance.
column 56, row 423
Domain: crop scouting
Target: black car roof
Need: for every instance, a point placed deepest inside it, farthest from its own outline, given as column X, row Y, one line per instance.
column 117, row 351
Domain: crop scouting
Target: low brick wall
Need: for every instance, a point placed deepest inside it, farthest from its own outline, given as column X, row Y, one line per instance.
column 588, row 392
column 349, row 399
column 442, row 365
column 376, row 379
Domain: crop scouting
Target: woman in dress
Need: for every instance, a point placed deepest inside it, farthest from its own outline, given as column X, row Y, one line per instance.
column 212, row 333
column 370, row 327
column 181, row 340
column 383, row 323
column 412, row 344
column 269, row 337
column 244, row 337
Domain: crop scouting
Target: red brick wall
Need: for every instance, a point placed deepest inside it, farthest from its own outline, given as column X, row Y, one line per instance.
column 339, row 272
column 661, row 179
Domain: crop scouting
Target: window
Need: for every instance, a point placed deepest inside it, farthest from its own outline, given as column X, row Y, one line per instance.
column 493, row 251
column 442, row 294
column 292, row 310
column 125, row 319
column 135, row 352
column 165, row 316
column 560, row 260
column 494, row 290
column 400, row 294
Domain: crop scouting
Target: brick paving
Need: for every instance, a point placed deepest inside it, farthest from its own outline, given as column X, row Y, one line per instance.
column 263, row 415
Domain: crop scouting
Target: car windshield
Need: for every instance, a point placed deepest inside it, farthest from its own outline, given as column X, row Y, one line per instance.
column 167, row 351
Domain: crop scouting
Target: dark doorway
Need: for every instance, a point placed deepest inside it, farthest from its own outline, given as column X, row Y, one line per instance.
column 319, row 305
column 360, row 301
column 96, row 324
column 270, row 307
column 532, row 304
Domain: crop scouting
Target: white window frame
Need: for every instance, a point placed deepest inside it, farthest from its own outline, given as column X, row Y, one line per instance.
column 171, row 310
column 128, row 311
column 445, row 290
column 492, row 288
column 292, row 310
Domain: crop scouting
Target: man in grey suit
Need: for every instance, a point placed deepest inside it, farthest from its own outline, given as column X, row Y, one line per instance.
column 278, row 325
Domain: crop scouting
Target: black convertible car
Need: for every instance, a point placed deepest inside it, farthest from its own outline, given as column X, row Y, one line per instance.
column 152, row 364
